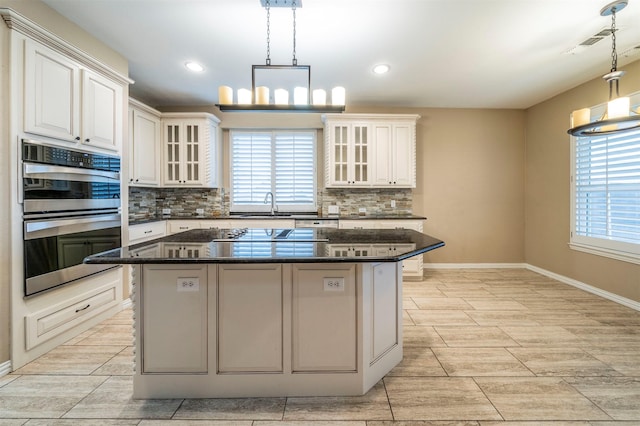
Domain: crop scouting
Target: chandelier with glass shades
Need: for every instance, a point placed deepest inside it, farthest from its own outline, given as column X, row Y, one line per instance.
column 285, row 88
column 618, row 116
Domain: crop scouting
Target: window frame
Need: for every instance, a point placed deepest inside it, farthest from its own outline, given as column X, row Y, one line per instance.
column 266, row 208
column 615, row 249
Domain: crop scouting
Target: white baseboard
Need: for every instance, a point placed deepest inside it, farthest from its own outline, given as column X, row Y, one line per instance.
column 586, row 287
column 5, row 368
column 127, row 303
column 474, row 265
column 566, row 280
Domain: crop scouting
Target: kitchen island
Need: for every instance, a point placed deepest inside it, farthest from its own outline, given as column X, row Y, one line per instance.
column 267, row 312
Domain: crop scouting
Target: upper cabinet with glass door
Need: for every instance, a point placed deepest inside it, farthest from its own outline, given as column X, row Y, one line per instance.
column 370, row 150
column 190, row 153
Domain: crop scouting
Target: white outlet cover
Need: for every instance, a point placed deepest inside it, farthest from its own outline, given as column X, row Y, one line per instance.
column 166, row 211
column 188, row 284
column 362, row 210
column 334, row 284
column 334, row 209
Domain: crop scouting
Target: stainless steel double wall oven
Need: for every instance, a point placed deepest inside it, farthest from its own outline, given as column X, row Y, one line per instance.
column 71, row 210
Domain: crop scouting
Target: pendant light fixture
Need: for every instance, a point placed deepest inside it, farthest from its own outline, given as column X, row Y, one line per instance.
column 290, row 89
column 618, row 115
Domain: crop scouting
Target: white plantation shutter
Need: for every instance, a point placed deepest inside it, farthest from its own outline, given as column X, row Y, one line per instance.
column 606, row 192
column 281, row 162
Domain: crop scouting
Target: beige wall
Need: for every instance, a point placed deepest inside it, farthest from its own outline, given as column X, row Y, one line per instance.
column 547, row 192
column 55, row 23
column 470, row 179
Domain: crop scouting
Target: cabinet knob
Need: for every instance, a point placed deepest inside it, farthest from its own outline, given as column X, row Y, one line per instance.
column 87, row 140
column 130, row 180
column 77, row 138
column 137, row 180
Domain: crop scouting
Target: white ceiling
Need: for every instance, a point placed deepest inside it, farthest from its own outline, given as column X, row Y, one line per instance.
column 442, row 53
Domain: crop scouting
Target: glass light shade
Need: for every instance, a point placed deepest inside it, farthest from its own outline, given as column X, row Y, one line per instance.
column 319, row 97
column 338, row 96
column 281, row 96
column 244, row 96
column 225, row 95
column 300, row 96
column 618, row 107
column 262, row 95
column 580, row 117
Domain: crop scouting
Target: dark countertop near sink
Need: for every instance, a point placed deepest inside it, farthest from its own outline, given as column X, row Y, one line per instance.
column 292, row 216
column 304, row 245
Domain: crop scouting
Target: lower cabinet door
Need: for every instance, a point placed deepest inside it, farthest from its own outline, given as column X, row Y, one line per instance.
column 250, row 318
column 174, row 315
column 324, row 318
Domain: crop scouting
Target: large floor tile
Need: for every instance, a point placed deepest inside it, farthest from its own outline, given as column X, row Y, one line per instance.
column 110, row 334
column 446, row 317
column 625, row 359
column 421, row 337
column 475, row 337
column 502, row 318
column 438, row 398
column 371, row 406
column 541, row 335
column 538, row 398
column 562, row 362
column 80, row 422
column 120, row 365
column 45, row 396
column 418, row 362
column 619, row 397
column 495, row 304
column 470, row 362
column 232, row 409
column 441, row 303
column 72, row 360
column 112, row 400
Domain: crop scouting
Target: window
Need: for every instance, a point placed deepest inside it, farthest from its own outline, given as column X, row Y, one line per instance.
column 606, row 195
column 281, row 162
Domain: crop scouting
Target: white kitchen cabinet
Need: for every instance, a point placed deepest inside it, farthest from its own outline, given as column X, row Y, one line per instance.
column 347, row 152
column 144, row 145
column 190, row 150
column 370, row 150
column 67, row 102
column 395, row 154
column 250, row 318
column 147, row 231
column 175, row 226
column 324, row 330
column 175, row 306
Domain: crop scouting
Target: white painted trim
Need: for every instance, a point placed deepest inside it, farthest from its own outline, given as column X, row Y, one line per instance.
column 474, row 265
column 127, row 303
column 566, row 280
column 5, row 368
column 586, row 287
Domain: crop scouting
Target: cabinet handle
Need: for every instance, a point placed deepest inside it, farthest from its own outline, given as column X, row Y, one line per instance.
column 87, row 140
column 148, row 232
column 82, row 309
column 183, row 227
column 77, row 138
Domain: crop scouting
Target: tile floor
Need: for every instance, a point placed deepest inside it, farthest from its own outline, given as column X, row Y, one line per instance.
column 482, row 347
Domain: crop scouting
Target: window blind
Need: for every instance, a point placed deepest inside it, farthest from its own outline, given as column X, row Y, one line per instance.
column 280, row 162
column 607, row 187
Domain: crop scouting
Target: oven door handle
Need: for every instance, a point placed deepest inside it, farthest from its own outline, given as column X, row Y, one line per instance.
column 43, row 171
column 69, row 225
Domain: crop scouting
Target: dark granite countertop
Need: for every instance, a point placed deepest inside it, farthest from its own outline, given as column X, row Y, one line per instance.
column 299, row 245
column 281, row 216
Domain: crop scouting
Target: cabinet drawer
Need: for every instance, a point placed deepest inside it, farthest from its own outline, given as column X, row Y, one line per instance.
column 48, row 323
column 147, row 231
column 175, row 226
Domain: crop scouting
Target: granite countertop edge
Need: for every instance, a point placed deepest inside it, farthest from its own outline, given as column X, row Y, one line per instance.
column 276, row 217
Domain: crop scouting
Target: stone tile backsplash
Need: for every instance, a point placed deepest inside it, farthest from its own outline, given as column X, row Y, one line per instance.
column 148, row 203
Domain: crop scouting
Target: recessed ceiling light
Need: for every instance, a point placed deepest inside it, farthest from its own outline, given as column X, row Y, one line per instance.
column 381, row 69
column 194, row 66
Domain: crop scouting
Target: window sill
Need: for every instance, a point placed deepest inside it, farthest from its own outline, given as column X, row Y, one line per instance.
column 605, row 252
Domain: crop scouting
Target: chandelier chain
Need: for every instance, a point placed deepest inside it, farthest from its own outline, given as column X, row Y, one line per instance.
column 614, row 53
column 293, row 7
column 268, row 7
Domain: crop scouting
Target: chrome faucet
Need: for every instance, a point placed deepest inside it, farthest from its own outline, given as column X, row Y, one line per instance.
column 273, row 202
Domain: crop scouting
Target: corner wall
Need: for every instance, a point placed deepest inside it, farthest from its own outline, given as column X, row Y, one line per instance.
column 547, row 211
